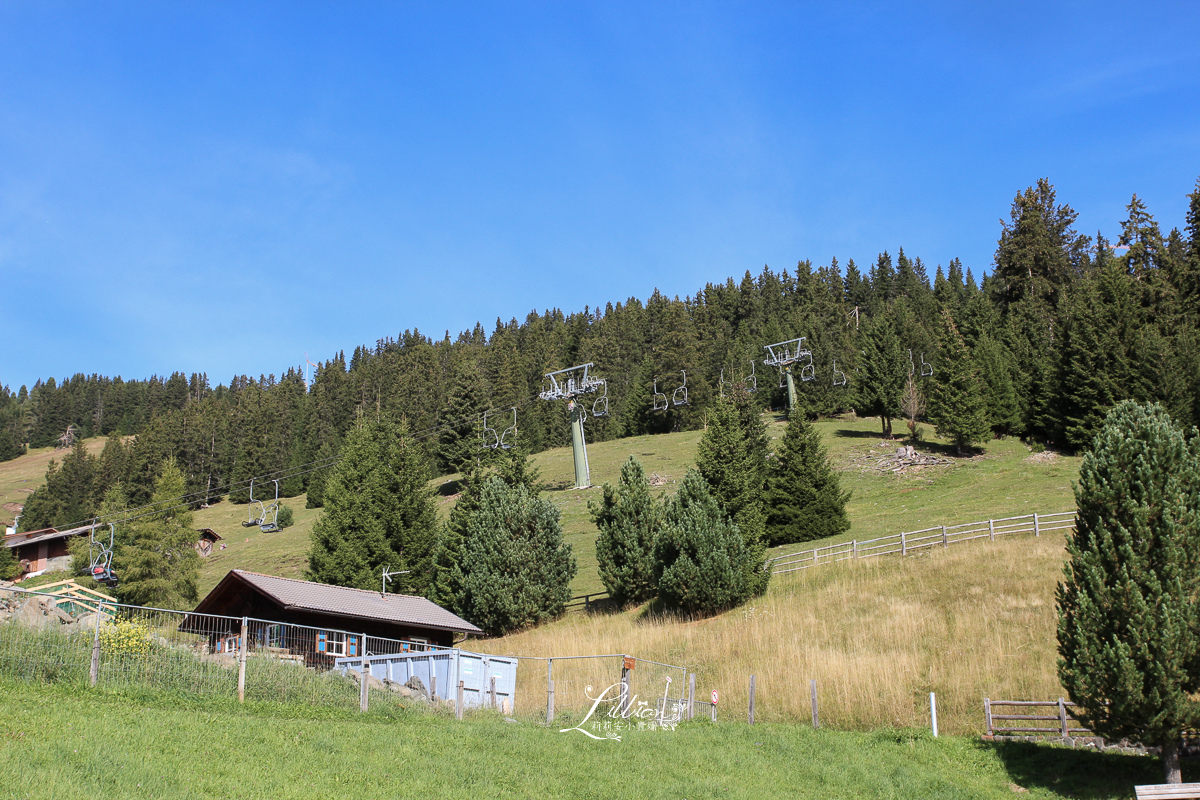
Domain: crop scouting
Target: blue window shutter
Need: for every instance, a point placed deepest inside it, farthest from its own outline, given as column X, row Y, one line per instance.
column 352, row 643
column 321, row 641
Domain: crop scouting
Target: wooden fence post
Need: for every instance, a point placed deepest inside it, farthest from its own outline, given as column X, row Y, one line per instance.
column 691, row 712
column 458, row 704
column 991, row 530
column 1037, row 529
column 751, row 699
column 94, row 670
column 903, row 545
column 945, row 541
column 812, row 688
column 549, row 690
column 1062, row 716
column 432, row 685
column 242, row 645
column 987, row 714
column 492, row 692
column 855, row 543
column 364, row 696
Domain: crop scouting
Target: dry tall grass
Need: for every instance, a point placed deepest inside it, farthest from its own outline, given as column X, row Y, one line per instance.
column 879, row 635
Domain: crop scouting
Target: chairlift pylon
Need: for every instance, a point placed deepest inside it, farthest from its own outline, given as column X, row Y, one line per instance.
column 273, row 511
column 252, row 520
column 600, row 406
column 654, row 399
column 506, row 442
column 100, row 567
column 677, row 398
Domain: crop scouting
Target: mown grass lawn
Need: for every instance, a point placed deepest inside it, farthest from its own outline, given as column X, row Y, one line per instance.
column 76, row 743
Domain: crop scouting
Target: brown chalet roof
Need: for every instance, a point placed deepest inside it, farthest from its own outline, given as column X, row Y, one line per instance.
column 341, row 601
column 43, row 535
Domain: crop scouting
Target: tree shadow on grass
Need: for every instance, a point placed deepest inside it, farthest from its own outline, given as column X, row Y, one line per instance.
column 849, row 433
column 1080, row 773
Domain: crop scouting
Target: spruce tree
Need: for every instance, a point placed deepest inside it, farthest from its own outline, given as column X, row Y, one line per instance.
column 804, row 498
column 378, row 513
column 9, row 566
column 956, row 403
column 732, row 459
column 158, row 565
column 628, row 519
column 1128, row 638
column 883, row 370
column 514, row 569
column 700, row 557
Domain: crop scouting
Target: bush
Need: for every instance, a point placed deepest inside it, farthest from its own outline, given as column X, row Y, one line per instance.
column 286, row 517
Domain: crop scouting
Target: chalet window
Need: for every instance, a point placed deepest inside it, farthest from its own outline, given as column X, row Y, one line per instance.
column 337, row 643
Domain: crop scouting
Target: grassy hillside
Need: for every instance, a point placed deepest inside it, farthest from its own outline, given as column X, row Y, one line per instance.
column 20, row 476
column 83, row 744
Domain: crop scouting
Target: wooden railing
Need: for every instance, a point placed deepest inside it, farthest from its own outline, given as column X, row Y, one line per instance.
column 910, row 541
column 584, row 601
column 1058, row 724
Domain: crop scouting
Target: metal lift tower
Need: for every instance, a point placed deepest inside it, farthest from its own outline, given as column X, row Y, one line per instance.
column 784, row 356
column 571, row 384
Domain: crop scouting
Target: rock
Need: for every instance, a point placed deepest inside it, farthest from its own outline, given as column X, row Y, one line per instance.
column 417, row 686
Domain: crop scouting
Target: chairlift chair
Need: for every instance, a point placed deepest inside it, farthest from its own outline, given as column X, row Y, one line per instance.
column 491, row 439
column 808, row 371
column 654, row 400
column 100, row 567
column 679, row 396
column 252, row 521
column 839, row 377
column 510, row 433
column 751, row 380
column 600, row 406
column 926, row 367
column 271, row 511
column 911, row 366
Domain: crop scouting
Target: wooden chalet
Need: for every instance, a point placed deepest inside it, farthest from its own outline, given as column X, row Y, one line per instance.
column 316, row 622
column 207, row 542
column 43, row 550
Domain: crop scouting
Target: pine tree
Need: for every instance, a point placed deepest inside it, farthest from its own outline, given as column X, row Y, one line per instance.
column 514, row 569
column 956, row 403
column 1128, row 639
column 158, row 565
column 804, row 498
column 700, row 557
column 378, row 513
column 628, row 519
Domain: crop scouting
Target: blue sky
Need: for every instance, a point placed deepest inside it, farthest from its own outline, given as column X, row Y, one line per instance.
column 222, row 187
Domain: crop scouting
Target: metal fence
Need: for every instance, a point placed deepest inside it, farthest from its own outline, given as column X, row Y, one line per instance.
column 904, row 544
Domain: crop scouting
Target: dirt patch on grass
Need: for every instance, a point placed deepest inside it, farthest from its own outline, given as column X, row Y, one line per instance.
column 1044, row 457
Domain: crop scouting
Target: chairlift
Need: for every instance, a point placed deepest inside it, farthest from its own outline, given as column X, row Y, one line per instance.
column 100, row 567
column 654, row 400
column 510, row 433
column 253, row 520
column 912, row 368
column 839, row 377
column 679, row 396
column 491, row 439
column 751, row 380
column 926, row 367
column 272, row 511
column 721, row 383
column 600, row 406
column 807, row 371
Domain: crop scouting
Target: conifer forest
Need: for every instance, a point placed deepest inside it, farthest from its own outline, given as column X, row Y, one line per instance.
column 1064, row 326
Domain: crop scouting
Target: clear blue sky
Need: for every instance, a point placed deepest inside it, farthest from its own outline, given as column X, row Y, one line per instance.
column 221, row 187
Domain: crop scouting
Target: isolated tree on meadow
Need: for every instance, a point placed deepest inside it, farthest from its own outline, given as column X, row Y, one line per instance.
column 701, row 562
column 1128, row 609
column 804, row 498
column 628, row 519
column 884, row 369
column 157, row 564
column 514, row 569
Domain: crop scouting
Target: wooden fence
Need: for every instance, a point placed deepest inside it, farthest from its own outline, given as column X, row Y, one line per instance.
column 910, row 541
column 1059, row 724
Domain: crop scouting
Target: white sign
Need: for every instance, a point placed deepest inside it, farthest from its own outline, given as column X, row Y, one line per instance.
column 715, row 697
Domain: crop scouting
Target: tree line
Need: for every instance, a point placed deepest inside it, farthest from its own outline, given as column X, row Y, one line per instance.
column 1064, row 327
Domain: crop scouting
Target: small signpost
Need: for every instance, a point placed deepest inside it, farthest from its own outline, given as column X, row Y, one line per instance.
column 715, row 697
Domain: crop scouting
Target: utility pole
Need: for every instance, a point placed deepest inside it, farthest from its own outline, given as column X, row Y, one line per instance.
column 571, row 384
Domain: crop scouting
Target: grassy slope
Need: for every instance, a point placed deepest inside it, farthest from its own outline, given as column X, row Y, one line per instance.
column 82, row 744
column 21, row 476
